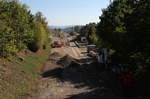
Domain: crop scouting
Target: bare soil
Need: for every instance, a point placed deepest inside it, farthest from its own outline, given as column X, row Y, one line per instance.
column 68, row 76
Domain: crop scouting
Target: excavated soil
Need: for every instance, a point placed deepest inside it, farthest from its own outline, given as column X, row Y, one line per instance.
column 69, row 78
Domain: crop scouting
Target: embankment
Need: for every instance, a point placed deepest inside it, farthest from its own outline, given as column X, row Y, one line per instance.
column 19, row 75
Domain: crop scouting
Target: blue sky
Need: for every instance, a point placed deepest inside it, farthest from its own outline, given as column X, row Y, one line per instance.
column 68, row 12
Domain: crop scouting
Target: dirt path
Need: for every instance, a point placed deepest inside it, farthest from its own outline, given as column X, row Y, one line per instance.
column 73, row 81
column 54, row 88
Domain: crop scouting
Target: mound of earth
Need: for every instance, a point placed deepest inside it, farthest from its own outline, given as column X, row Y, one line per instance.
column 65, row 61
column 54, row 56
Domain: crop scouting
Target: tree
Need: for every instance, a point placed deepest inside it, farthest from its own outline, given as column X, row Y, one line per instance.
column 112, row 27
column 19, row 27
column 41, row 33
column 124, row 27
column 77, row 28
column 89, row 31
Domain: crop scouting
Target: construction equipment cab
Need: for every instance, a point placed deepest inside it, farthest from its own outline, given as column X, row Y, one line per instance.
column 91, row 48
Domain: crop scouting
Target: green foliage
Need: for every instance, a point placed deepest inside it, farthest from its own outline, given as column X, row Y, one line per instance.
column 40, row 36
column 19, row 27
column 77, row 28
column 90, row 32
column 41, row 33
column 56, row 32
column 124, row 27
column 24, row 75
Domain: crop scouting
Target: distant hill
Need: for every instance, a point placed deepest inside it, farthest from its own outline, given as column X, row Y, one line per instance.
column 61, row 27
column 68, row 28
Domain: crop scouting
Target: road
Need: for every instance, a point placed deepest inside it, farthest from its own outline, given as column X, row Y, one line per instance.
column 52, row 88
column 73, row 81
column 71, row 50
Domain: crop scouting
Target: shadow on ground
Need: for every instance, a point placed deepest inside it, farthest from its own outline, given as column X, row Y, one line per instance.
column 54, row 73
column 101, row 83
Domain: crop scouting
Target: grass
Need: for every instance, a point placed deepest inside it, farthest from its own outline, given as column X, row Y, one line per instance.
column 23, row 75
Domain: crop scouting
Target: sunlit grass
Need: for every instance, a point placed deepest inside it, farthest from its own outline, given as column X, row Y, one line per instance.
column 24, row 75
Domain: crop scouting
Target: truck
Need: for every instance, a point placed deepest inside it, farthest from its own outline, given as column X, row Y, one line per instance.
column 57, row 44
